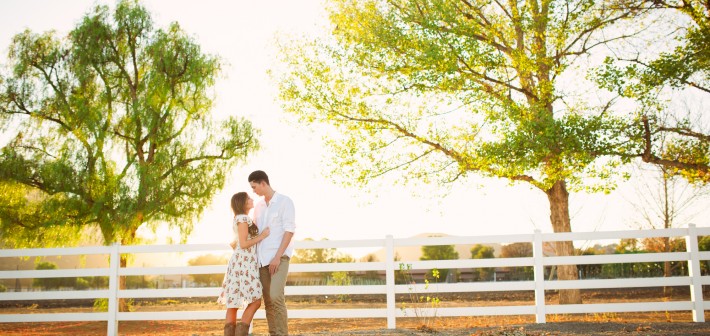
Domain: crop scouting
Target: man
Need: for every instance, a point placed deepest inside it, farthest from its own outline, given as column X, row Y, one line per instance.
column 276, row 212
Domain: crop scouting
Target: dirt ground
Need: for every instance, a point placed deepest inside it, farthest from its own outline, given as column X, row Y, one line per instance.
column 652, row 324
column 362, row 327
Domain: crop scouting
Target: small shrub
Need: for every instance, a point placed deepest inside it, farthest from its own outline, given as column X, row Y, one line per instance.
column 101, row 305
column 340, row 279
column 420, row 302
column 81, row 284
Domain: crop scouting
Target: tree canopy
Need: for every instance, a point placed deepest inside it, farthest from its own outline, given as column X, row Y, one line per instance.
column 437, row 90
column 679, row 141
column 112, row 128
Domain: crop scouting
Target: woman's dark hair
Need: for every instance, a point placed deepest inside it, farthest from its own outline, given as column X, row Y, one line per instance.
column 239, row 200
column 257, row 176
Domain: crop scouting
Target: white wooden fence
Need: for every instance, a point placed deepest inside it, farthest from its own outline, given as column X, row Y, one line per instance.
column 539, row 285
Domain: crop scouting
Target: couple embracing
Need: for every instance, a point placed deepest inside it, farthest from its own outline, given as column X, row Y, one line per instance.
column 259, row 265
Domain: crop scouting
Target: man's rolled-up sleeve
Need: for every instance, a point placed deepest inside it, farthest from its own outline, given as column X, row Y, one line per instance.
column 289, row 217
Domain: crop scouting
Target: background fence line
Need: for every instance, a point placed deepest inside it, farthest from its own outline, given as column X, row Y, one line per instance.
column 538, row 285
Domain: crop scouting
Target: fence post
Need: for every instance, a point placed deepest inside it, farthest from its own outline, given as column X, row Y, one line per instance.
column 696, row 286
column 113, row 281
column 389, row 276
column 539, row 278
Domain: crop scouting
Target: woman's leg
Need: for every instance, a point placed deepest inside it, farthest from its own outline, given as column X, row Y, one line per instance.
column 249, row 312
column 230, row 325
column 231, row 315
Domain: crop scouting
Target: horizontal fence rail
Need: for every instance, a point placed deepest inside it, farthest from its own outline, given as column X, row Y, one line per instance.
column 538, row 285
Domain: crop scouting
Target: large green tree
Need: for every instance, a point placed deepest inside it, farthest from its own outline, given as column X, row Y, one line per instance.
column 112, row 127
column 440, row 89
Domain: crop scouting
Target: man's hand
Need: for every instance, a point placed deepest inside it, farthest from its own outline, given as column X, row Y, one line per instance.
column 233, row 244
column 265, row 233
column 274, row 265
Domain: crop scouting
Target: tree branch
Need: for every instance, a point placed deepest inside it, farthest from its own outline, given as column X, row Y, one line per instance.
column 686, row 132
column 586, row 34
column 681, row 80
column 187, row 161
column 649, row 157
column 402, row 164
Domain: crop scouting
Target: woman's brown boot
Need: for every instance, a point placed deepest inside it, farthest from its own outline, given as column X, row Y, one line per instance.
column 229, row 329
column 242, row 329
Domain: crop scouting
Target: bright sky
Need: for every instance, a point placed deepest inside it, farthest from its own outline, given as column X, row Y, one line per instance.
column 243, row 34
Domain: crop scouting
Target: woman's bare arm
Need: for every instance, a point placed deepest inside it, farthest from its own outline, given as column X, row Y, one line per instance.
column 243, row 233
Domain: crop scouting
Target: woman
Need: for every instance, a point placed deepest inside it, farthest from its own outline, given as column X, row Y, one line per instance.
column 241, row 286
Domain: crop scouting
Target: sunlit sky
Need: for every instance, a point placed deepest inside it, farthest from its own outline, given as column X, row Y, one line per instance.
column 243, row 34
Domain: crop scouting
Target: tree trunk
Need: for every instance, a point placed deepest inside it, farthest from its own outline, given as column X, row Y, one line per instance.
column 667, row 223
column 122, row 303
column 667, row 291
column 559, row 217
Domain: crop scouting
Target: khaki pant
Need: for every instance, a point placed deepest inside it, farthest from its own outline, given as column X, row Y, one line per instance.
column 274, row 298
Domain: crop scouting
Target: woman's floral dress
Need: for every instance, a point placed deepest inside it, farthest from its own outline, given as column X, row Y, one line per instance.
column 241, row 285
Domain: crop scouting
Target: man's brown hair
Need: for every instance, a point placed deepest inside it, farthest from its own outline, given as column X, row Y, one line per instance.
column 257, row 176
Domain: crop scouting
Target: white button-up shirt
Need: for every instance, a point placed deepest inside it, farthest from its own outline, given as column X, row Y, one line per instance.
column 279, row 216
